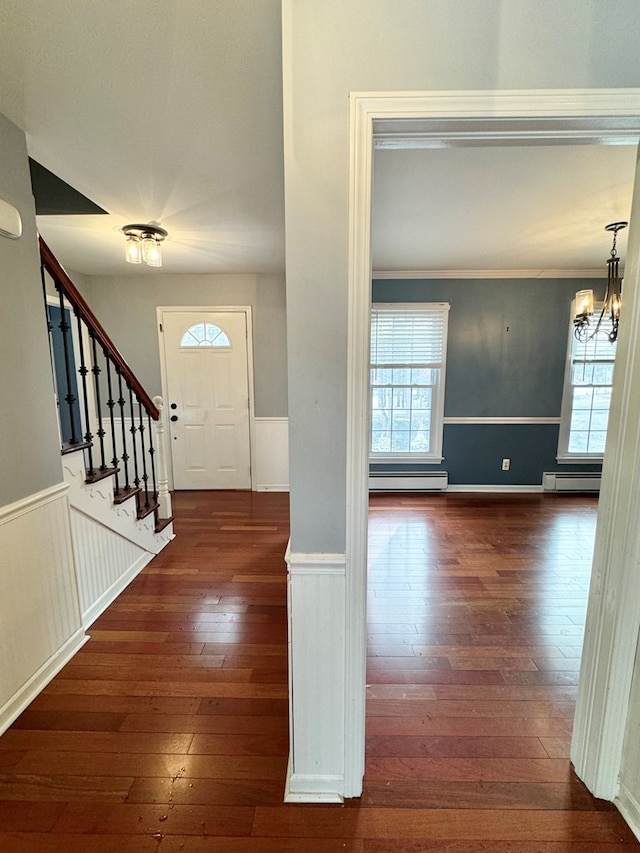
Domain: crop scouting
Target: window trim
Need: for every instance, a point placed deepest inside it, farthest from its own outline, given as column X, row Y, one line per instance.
column 434, row 457
column 564, row 457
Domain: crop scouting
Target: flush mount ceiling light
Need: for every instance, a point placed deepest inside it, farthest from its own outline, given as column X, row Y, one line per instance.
column 610, row 314
column 144, row 244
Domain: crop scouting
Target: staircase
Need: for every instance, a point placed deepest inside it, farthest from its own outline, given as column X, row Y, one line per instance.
column 112, row 445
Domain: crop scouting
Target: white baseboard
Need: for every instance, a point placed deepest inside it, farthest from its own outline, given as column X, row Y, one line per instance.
column 12, row 709
column 110, row 595
column 496, row 489
column 313, row 789
column 629, row 808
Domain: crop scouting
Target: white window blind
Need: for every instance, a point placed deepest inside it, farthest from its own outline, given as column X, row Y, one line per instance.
column 408, row 349
column 398, row 337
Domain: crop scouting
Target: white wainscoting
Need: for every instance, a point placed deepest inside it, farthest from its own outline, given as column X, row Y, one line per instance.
column 40, row 620
column 105, row 563
column 111, row 544
column 271, row 455
column 316, row 596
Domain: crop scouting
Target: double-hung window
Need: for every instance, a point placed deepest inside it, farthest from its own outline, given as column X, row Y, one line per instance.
column 587, row 396
column 408, row 352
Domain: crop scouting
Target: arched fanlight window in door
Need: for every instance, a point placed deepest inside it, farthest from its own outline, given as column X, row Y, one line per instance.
column 205, row 335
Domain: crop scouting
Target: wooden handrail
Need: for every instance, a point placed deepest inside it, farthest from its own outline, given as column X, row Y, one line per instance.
column 71, row 292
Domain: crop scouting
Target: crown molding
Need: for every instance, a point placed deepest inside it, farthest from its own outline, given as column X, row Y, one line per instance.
column 486, row 274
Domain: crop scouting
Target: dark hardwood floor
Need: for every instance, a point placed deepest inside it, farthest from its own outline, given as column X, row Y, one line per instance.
column 168, row 731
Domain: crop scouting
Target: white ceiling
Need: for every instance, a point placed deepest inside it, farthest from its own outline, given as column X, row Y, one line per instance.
column 534, row 208
column 172, row 112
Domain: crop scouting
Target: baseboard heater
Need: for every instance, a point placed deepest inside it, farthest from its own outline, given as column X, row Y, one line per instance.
column 570, row 482
column 408, row 481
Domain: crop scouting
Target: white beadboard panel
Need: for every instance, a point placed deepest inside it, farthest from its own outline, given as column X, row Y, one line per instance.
column 105, row 563
column 23, row 697
column 40, row 620
column 96, row 501
column 271, row 455
column 316, row 595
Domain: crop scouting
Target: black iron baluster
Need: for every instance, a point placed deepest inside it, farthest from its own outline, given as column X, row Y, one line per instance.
column 145, row 476
column 96, row 381
column 133, row 429
column 46, row 305
column 125, row 455
column 83, row 370
column 111, row 403
column 152, row 452
column 70, row 398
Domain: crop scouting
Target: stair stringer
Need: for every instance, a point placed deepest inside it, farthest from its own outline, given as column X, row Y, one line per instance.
column 95, row 500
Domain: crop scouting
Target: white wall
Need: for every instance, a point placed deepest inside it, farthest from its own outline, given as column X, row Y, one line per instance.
column 329, row 50
column 29, row 452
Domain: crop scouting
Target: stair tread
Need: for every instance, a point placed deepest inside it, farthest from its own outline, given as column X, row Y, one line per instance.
column 161, row 523
column 144, row 511
column 68, row 447
column 125, row 494
column 100, row 475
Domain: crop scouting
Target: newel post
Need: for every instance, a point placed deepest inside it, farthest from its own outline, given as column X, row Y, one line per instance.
column 164, row 498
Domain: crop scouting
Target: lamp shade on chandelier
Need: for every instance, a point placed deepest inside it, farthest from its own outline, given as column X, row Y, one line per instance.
column 609, row 317
column 144, row 244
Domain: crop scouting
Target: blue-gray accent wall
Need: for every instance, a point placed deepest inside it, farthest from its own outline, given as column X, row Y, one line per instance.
column 506, row 356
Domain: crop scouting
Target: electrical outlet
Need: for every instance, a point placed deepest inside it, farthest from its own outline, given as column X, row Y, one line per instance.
column 506, row 464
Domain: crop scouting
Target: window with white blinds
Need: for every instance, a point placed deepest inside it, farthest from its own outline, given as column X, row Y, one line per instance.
column 587, row 395
column 408, row 353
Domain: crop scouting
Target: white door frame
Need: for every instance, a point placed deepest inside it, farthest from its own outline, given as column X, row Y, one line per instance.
column 216, row 309
column 598, row 116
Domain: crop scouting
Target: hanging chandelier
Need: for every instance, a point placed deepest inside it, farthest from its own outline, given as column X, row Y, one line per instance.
column 143, row 243
column 584, row 329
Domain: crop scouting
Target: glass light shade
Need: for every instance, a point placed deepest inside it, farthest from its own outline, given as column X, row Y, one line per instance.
column 616, row 303
column 132, row 250
column 584, row 303
column 151, row 251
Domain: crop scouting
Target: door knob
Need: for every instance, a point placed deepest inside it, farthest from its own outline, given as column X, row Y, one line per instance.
column 174, row 417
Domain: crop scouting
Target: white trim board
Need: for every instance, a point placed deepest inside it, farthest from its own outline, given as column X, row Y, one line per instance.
column 399, row 275
column 496, row 489
column 12, row 511
column 317, row 686
column 601, row 113
column 629, row 808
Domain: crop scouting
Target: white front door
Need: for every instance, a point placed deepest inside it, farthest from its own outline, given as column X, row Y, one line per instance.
column 208, row 398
